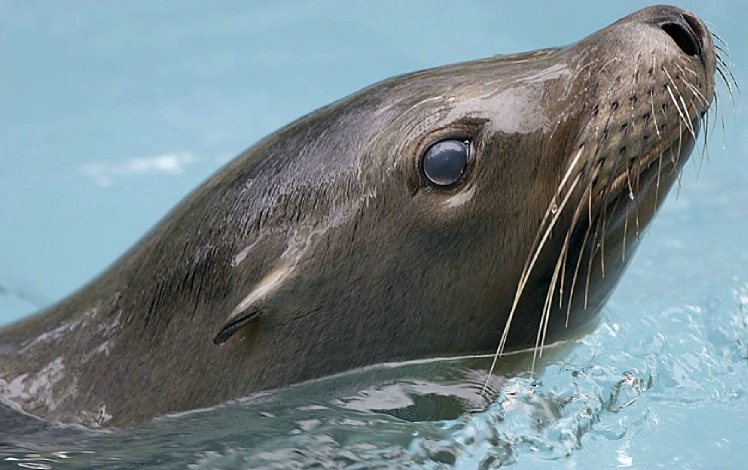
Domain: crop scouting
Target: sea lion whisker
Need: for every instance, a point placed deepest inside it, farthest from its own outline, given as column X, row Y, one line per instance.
column 675, row 159
column 602, row 241
column 680, row 183
column 537, row 243
column 724, row 58
column 532, row 259
column 724, row 70
column 719, row 111
column 546, row 234
column 697, row 163
column 628, row 181
column 564, row 249
column 625, row 228
column 727, row 85
column 597, row 238
column 724, row 65
column 554, row 283
column 596, row 218
column 571, row 167
column 523, row 280
column 685, row 70
column 589, row 228
column 633, row 99
column 708, row 120
column 693, row 88
column 659, row 176
column 695, row 128
column 552, row 211
column 703, row 123
column 729, row 80
column 632, row 200
column 576, row 217
column 600, row 231
column 606, row 192
column 724, row 62
column 548, row 304
column 727, row 69
column 719, row 39
column 572, row 228
column 697, row 95
column 653, row 111
column 616, row 202
column 545, row 316
column 633, row 194
column 579, row 260
column 681, row 112
column 706, row 126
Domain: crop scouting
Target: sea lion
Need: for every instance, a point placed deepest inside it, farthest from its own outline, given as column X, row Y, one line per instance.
column 440, row 213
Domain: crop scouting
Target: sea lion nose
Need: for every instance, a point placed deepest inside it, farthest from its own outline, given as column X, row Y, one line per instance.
column 688, row 32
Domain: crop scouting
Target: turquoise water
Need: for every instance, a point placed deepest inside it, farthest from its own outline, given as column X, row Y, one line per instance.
column 110, row 112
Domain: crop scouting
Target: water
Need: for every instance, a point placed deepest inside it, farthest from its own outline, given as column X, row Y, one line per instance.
column 112, row 111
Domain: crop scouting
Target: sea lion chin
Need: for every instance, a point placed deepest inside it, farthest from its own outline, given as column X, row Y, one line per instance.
column 450, row 211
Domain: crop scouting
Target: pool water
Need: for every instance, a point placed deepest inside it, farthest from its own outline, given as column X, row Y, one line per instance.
column 112, row 111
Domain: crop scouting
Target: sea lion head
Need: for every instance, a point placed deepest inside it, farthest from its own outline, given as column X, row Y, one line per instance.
column 444, row 208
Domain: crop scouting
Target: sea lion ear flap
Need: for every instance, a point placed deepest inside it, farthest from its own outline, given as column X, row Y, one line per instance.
column 255, row 303
column 236, row 321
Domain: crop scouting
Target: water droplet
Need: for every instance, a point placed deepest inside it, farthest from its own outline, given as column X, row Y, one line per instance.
column 554, row 206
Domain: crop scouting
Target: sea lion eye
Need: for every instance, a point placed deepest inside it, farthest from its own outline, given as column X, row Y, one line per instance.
column 445, row 162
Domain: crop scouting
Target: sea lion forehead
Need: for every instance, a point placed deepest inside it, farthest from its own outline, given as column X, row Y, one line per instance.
column 454, row 101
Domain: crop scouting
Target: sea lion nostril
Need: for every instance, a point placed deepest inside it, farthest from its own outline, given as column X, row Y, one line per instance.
column 684, row 36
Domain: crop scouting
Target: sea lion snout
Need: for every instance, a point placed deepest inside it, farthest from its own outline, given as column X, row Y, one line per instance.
column 686, row 29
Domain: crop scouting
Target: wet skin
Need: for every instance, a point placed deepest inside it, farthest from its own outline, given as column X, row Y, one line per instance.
column 332, row 244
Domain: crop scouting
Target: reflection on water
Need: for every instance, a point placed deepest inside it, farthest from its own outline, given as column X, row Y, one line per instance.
column 608, row 397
